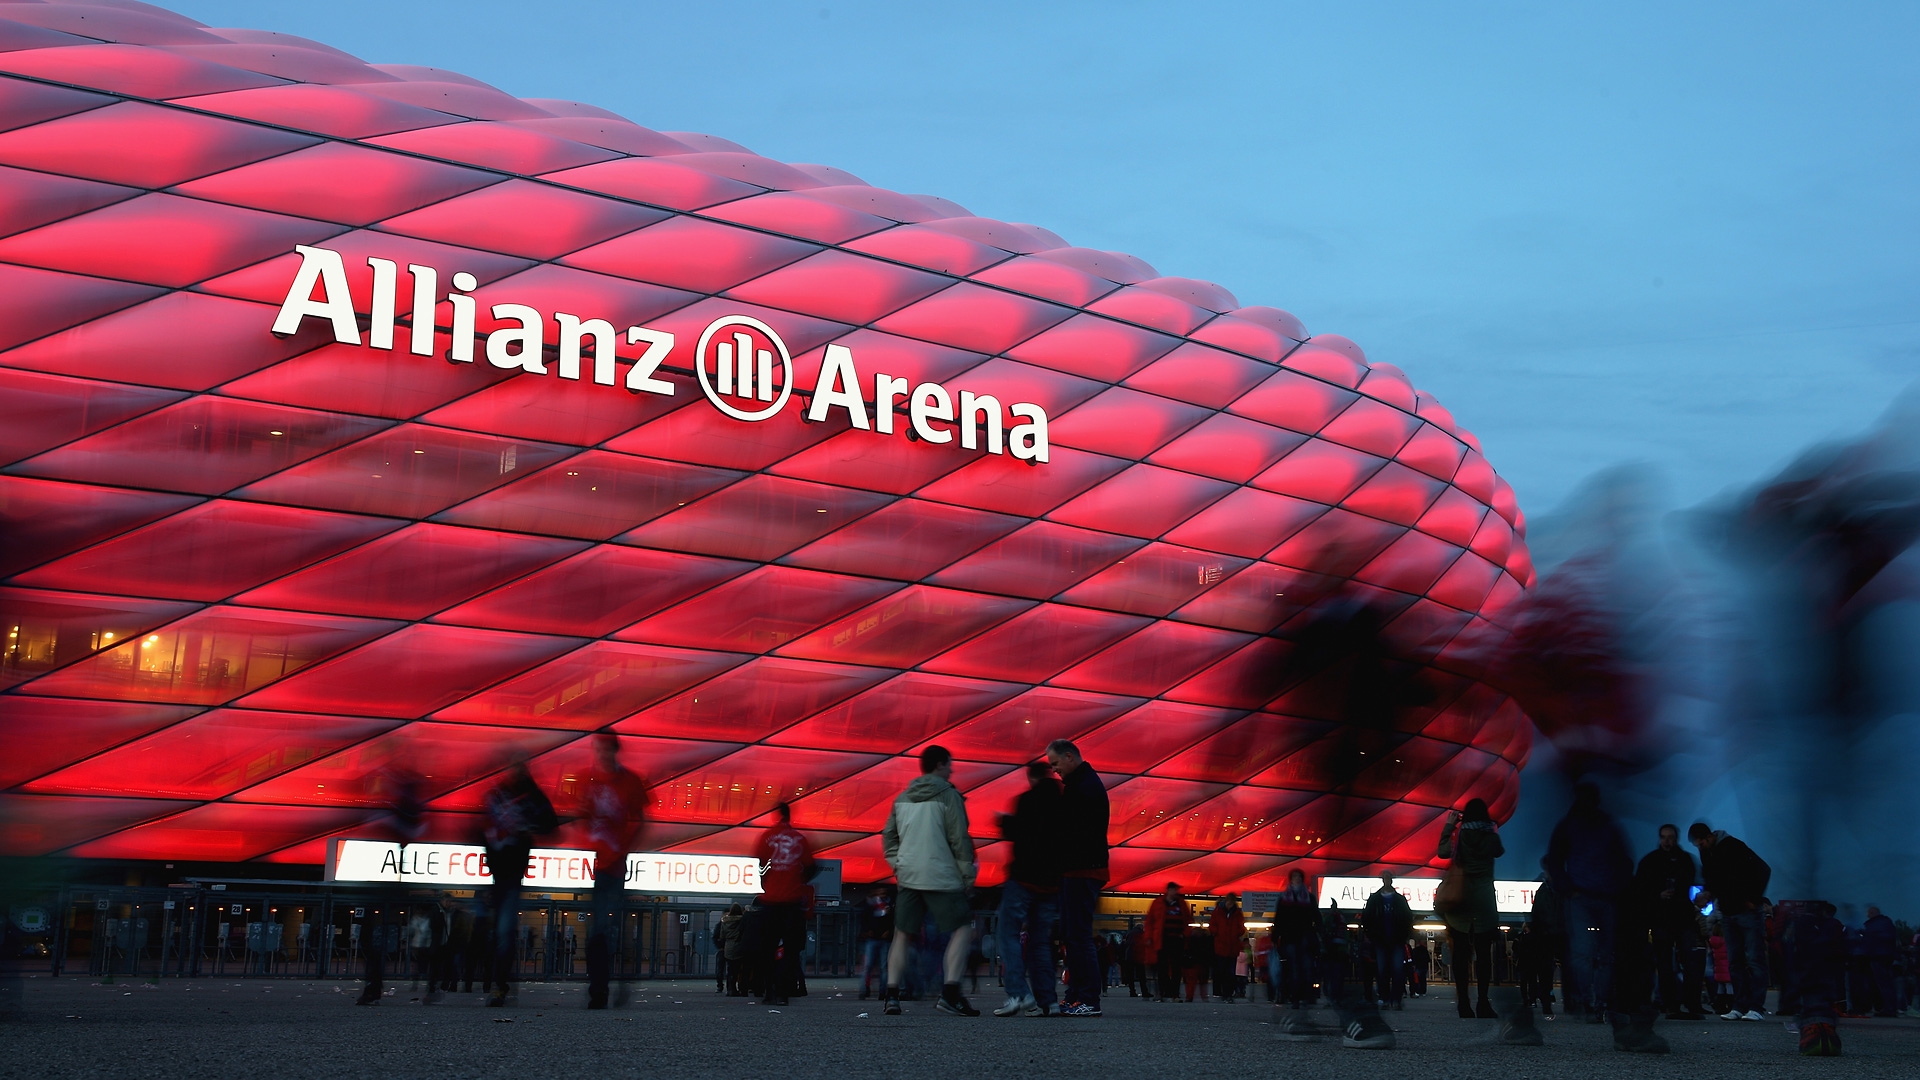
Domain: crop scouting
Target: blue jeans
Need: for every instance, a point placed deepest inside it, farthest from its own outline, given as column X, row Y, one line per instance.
column 873, row 963
column 1029, row 914
column 1390, row 972
column 1078, row 897
column 1746, row 934
column 1590, row 930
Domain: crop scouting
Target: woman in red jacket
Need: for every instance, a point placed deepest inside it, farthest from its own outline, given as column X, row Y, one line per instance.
column 1229, row 938
column 1163, row 940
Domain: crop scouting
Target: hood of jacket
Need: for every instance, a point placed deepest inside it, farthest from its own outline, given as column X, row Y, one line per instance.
column 926, row 787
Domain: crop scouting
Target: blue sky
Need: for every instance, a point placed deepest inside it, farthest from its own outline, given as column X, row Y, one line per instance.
column 1678, row 234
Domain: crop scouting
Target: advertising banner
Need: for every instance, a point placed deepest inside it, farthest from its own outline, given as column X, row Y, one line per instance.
column 1511, row 897
column 566, row 869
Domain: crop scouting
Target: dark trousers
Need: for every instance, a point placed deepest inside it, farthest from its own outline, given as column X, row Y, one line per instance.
column 1472, row 956
column 504, row 909
column 1537, row 980
column 1169, row 967
column 1746, row 934
column 1078, row 895
column 1389, row 973
column 786, row 937
column 1225, row 983
column 1296, row 973
column 1631, row 993
column 609, row 896
column 1676, row 953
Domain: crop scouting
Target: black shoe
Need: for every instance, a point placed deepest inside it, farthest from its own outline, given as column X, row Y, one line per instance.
column 597, row 1002
column 891, row 1006
column 1637, row 1037
column 1485, row 1011
column 951, row 1002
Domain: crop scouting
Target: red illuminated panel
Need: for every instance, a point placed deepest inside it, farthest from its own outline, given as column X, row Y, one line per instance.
column 209, row 552
column 898, row 713
column 212, row 755
column 412, row 672
column 742, row 786
column 755, row 699
column 433, row 567
column 412, row 573
column 44, row 734
column 210, row 657
column 372, row 773
column 590, row 687
column 48, row 630
column 595, row 592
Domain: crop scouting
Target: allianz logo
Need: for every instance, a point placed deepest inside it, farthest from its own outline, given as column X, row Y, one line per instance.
column 740, row 363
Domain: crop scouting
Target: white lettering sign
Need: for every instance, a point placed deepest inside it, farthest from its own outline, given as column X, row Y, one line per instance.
column 565, row 869
column 740, row 363
column 1351, row 893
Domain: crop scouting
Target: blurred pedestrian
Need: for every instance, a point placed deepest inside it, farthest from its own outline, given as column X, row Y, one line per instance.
column 516, row 812
column 1736, row 884
column 927, row 844
column 1472, row 841
column 1814, row 948
column 786, row 861
column 1168, row 918
column 1547, row 923
column 1388, row 922
column 1589, row 866
column 726, row 949
column 1296, row 943
column 1665, row 880
column 403, row 822
column 1229, row 926
column 876, row 932
column 1878, row 939
column 1083, row 871
column 616, row 804
column 1030, row 897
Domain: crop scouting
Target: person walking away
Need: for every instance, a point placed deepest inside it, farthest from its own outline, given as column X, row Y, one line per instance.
column 1419, row 964
column 1814, row 948
column 1879, row 940
column 1664, row 880
column 1588, row 864
column 1736, row 884
column 1388, row 923
column 1168, row 919
column 616, row 803
column 1229, row 937
column 876, row 930
column 726, row 949
column 926, row 843
column 404, row 822
column 1296, row 940
column 1471, row 839
column 1130, row 964
column 516, row 812
column 786, row 860
column 1548, row 921
column 1030, row 898
column 1083, row 871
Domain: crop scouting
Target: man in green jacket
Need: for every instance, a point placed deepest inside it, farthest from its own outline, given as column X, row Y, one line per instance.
column 927, row 845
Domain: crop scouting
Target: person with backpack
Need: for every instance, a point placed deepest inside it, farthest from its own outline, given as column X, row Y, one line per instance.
column 1388, row 922
column 516, row 812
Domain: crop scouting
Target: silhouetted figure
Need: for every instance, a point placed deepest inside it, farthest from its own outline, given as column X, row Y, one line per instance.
column 616, row 805
column 516, row 812
column 1472, row 841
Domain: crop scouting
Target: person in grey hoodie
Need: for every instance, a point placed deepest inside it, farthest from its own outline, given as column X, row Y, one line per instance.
column 927, row 845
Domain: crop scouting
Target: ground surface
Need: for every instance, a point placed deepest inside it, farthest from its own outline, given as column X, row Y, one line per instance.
column 209, row 1028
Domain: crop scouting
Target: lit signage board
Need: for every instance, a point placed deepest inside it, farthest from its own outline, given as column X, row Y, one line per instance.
column 735, row 362
column 1510, row 897
column 565, row 869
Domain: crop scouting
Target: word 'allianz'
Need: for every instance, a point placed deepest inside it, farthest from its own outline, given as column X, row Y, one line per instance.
column 741, row 364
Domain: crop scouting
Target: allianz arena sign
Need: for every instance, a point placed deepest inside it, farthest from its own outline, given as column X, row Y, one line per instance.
column 364, row 418
column 737, row 374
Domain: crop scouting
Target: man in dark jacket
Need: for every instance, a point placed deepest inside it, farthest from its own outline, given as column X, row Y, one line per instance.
column 1588, row 866
column 1388, row 921
column 1030, row 899
column 1736, row 883
column 1083, row 870
column 1878, row 940
column 517, row 811
column 1664, row 884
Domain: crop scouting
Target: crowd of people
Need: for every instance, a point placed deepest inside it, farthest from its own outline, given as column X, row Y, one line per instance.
column 1630, row 940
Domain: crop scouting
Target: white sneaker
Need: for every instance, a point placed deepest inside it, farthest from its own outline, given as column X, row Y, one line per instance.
column 1012, row 1007
column 1753, row 1014
column 1733, row 1014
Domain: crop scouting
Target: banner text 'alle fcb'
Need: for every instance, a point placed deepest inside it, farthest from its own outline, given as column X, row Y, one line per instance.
column 1510, row 897
column 567, row 869
column 741, row 363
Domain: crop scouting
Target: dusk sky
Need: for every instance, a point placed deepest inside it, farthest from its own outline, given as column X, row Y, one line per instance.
column 1599, row 233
